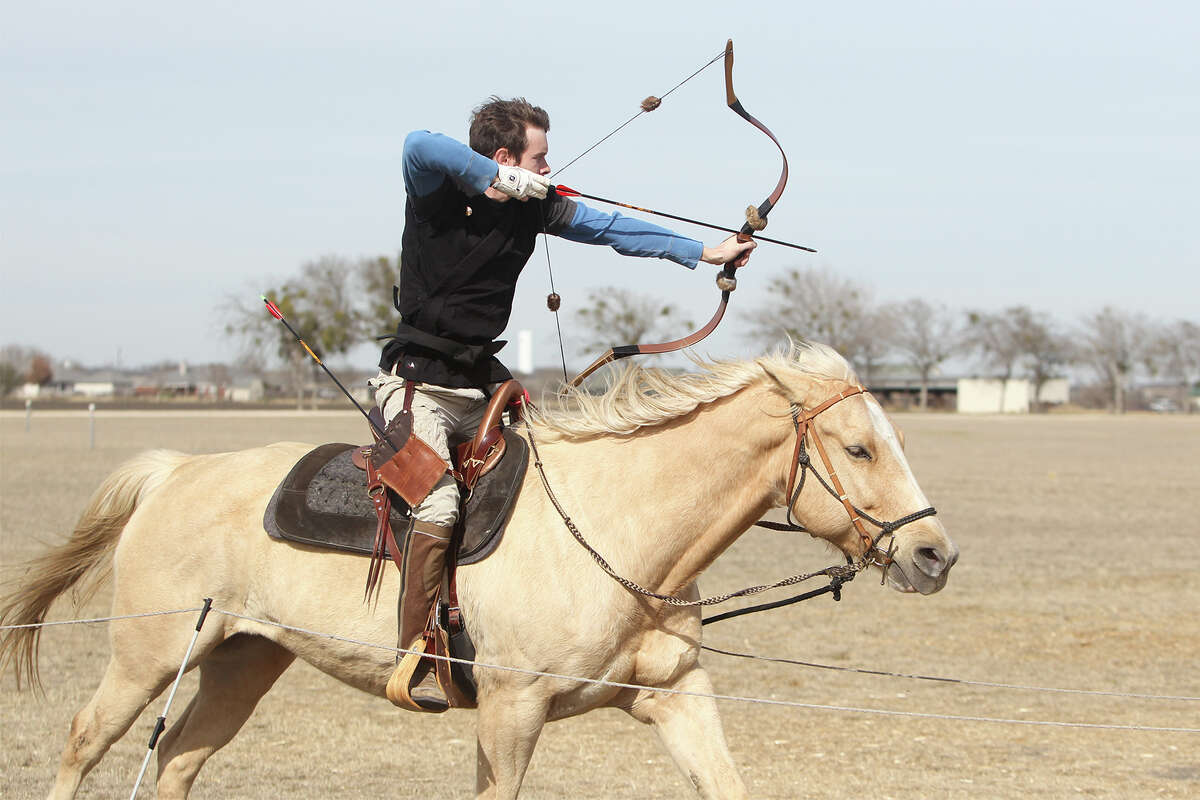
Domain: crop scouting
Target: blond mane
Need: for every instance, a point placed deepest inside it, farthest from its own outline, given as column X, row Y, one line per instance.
column 638, row 397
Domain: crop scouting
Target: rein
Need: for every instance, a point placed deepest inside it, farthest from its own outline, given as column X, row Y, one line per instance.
column 838, row 574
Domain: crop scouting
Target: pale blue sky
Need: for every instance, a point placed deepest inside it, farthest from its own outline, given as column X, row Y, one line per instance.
column 155, row 157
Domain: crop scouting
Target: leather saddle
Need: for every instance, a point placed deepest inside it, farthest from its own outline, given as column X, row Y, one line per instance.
column 323, row 501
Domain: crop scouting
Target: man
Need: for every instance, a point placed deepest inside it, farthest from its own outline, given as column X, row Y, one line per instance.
column 464, row 245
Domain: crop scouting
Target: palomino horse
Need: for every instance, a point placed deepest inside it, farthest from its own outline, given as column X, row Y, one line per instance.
column 660, row 474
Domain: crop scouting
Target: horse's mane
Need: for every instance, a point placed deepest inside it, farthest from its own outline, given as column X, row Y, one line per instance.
column 638, row 397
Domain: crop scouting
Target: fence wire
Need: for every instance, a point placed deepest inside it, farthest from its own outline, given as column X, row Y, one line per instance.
column 722, row 697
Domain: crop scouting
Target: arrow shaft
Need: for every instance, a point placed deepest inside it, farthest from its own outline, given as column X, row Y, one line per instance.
column 569, row 192
column 277, row 314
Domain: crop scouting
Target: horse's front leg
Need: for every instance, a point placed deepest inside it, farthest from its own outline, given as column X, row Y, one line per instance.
column 690, row 727
column 510, row 721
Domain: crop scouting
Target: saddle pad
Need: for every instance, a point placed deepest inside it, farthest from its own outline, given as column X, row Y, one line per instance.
column 323, row 503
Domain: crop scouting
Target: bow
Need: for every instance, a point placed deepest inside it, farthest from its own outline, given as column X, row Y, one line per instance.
column 756, row 220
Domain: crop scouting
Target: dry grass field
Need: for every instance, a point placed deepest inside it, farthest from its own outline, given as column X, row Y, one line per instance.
column 1080, row 568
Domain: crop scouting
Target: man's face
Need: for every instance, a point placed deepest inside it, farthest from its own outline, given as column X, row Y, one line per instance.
column 534, row 157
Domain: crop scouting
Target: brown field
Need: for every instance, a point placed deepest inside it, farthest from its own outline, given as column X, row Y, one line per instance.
column 1080, row 568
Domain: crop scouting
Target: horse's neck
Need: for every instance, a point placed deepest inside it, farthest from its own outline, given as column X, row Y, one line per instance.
column 680, row 493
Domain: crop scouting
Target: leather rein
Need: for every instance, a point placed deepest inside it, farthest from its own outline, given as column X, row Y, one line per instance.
column 838, row 574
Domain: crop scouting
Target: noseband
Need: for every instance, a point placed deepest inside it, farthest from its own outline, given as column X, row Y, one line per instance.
column 802, row 465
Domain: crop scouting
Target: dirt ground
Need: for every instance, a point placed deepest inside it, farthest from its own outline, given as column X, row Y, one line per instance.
column 1079, row 569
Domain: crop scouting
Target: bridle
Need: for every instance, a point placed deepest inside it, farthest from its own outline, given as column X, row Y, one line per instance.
column 802, row 465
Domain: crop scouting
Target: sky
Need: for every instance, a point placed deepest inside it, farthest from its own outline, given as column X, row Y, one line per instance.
column 159, row 158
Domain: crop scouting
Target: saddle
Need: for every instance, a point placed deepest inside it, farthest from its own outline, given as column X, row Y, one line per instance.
column 356, row 499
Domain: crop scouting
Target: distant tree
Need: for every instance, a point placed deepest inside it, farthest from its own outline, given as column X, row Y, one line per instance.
column 817, row 305
column 14, row 366
column 613, row 316
column 319, row 304
column 1174, row 353
column 926, row 335
column 875, row 344
column 1113, row 343
column 1044, row 351
column 10, row 378
column 376, row 277
column 40, row 371
column 994, row 338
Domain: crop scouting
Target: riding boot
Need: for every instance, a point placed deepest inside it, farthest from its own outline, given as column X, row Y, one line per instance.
column 414, row 685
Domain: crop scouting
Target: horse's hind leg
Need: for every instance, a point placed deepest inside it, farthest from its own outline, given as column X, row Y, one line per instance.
column 233, row 678
column 690, row 727
column 122, row 695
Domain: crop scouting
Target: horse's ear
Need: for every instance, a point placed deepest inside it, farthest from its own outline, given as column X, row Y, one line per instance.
column 781, row 386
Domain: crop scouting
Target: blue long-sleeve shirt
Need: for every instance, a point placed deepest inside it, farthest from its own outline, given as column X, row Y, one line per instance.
column 431, row 158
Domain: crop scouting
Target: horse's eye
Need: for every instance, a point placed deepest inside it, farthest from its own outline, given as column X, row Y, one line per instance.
column 859, row 452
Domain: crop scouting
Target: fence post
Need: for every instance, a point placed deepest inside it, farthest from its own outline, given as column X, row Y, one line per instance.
column 91, row 426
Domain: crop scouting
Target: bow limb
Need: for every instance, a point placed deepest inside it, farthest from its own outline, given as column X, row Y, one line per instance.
column 725, row 280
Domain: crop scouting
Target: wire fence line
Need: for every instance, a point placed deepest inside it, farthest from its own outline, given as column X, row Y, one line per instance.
column 100, row 619
column 685, row 693
column 937, row 679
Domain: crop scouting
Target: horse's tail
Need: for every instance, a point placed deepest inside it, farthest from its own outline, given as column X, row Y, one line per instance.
column 88, row 550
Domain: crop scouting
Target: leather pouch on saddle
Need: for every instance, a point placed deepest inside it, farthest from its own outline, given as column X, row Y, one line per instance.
column 405, row 464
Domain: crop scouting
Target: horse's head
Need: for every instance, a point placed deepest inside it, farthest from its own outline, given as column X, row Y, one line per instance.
column 847, row 476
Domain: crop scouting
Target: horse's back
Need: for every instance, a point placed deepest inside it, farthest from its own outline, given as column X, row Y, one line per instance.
column 201, row 528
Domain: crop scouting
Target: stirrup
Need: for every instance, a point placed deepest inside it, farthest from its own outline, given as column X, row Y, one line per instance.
column 413, row 685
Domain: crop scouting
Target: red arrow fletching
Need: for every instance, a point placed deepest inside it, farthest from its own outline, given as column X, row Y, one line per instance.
column 274, row 309
column 566, row 191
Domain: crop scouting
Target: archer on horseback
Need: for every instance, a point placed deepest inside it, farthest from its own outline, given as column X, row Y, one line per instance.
column 463, row 248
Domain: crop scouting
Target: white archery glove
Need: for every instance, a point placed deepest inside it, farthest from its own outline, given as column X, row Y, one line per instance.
column 521, row 183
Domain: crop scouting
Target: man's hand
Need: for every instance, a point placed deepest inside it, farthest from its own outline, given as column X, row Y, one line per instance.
column 521, row 183
column 730, row 250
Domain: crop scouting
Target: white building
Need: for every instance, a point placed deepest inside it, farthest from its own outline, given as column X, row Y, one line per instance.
column 1014, row 396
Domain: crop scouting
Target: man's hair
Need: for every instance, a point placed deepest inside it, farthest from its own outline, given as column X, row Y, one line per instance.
column 501, row 123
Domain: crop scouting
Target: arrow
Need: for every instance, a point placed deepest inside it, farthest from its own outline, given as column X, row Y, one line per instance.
column 277, row 314
column 567, row 191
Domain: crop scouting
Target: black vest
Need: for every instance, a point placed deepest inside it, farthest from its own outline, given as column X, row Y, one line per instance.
column 459, row 266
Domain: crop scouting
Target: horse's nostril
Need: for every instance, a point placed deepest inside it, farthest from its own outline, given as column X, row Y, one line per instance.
column 932, row 562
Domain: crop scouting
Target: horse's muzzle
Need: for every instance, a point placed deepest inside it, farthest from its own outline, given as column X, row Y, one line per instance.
column 921, row 561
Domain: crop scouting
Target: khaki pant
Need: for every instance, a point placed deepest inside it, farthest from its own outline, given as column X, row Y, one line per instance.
column 438, row 413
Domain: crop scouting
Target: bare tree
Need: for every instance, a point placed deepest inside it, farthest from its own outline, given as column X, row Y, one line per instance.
column 993, row 336
column 816, row 305
column 615, row 316
column 376, row 276
column 1174, row 352
column 1044, row 351
column 20, row 364
column 926, row 335
column 875, row 344
column 1112, row 343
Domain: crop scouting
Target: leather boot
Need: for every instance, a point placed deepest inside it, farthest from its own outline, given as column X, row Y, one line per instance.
column 414, row 685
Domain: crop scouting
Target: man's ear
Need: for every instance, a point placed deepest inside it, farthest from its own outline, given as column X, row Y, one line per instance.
column 503, row 156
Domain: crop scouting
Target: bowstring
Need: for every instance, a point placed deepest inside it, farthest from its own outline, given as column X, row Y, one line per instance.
column 545, row 235
column 550, row 269
column 720, row 55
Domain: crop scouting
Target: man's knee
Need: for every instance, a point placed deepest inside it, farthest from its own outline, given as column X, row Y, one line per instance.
column 441, row 506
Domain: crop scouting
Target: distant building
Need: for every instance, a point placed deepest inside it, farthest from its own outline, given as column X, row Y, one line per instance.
column 1013, row 396
column 969, row 395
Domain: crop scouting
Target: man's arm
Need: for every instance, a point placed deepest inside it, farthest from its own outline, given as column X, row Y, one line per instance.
column 430, row 158
column 635, row 237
